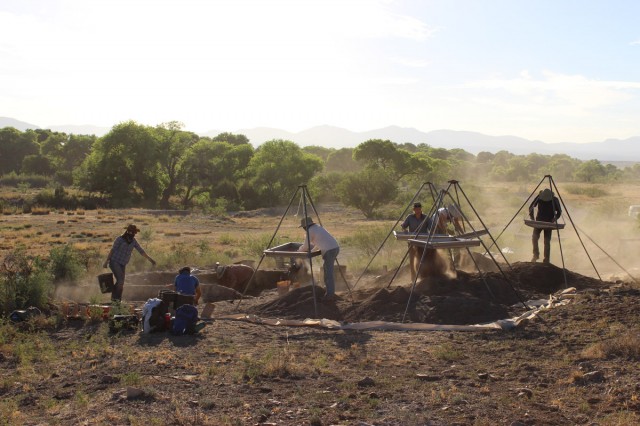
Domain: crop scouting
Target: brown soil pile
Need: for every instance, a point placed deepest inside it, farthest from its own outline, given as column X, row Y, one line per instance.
column 466, row 299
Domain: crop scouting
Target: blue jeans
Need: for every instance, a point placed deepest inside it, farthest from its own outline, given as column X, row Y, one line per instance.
column 118, row 272
column 329, row 258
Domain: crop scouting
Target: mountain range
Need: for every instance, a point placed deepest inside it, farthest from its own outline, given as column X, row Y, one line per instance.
column 608, row 151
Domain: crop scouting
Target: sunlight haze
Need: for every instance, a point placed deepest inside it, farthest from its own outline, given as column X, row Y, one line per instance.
column 555, row 71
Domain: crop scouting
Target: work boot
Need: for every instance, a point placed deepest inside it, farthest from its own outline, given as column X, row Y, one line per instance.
column 534, row 258
column 545, row 260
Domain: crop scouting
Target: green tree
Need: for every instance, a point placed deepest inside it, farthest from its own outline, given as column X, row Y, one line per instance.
column 124, row 164
column 325, row 185
column 14, row 147
column 367, row 190
column 173, row 144
column 208, row 164
column 342, row 160
column 561, row 167
column 278, row 167
column 38, row 165
column 377, row 153
column 319, row 151
column 385, row 155
column 590, row 171
column 232, row 139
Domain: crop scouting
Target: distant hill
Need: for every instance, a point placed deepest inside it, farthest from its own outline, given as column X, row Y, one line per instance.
column 609, row 151
column 69, row 128
column 17, row 124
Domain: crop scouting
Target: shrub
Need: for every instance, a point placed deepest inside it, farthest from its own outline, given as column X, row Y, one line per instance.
column 368, row 241
column 589, row 191
column 24, row 180
column 65, row 263
column 24, row 282
column 255, row 245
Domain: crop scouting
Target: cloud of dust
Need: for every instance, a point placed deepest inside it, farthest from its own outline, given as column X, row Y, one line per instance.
column 80, row 292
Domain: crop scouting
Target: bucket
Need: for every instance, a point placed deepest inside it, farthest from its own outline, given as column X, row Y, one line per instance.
column 283, row 287
column 106, row 282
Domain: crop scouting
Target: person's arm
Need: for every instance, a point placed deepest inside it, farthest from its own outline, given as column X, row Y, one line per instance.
column 198, row 295
column 153, row 262
column 138, row 247
column 405, row 224
column 106, row 262
column 558, row 209
column 532, row 206
column 457, row 225
column 305, row 245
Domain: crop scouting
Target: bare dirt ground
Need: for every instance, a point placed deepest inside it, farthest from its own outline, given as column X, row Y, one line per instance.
column 573, row 364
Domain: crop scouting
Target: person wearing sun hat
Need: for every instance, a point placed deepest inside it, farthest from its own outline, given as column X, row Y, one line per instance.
column 119, row 256
column 316, row 237
column 549, row 210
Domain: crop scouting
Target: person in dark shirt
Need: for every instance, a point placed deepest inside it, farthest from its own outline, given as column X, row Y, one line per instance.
column 549, row 210
column 413, row 222
column 188, row 284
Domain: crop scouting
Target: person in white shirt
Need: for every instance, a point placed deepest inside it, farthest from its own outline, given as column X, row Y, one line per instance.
column 316, row 237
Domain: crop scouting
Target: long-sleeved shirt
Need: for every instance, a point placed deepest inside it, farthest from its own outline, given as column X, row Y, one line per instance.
column 320, row 239
column 548, row 211
column 121, row 250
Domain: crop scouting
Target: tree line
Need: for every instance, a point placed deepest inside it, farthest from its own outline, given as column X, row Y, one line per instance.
column 167, row 167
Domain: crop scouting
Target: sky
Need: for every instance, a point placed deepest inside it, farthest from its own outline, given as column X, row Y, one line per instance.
column 548, row 70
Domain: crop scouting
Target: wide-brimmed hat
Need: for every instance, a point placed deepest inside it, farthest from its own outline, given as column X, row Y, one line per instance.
column 546, row 195
column 132, row 228
column 307, row 221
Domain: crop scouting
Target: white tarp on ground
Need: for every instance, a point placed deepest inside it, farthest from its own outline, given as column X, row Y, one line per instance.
column 560, row 298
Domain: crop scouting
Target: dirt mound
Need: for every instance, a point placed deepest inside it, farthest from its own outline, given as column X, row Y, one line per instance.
column 467, row 299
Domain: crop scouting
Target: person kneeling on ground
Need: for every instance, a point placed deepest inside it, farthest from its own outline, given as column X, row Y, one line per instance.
column 185, row 283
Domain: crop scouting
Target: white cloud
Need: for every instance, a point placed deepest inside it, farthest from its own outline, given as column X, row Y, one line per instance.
column 554, row 89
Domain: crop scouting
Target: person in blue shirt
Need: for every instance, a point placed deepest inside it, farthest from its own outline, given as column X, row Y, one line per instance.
column 185, row 283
